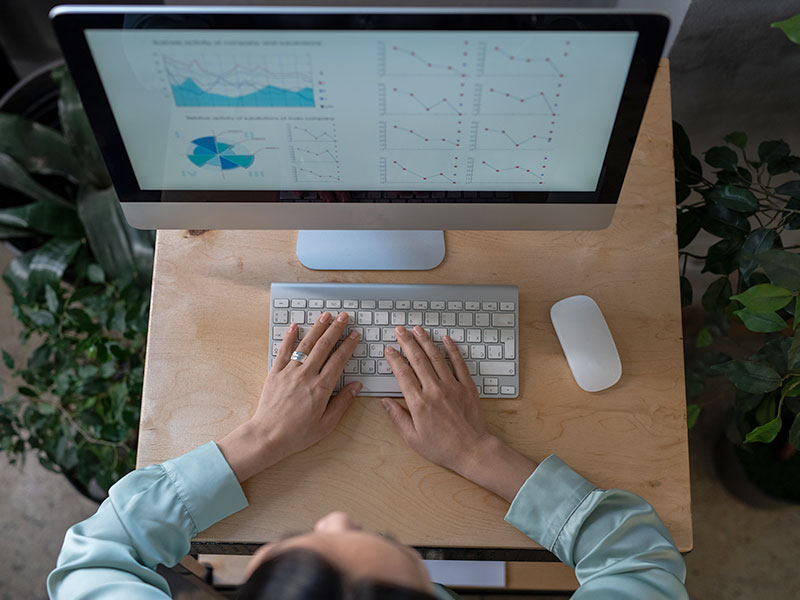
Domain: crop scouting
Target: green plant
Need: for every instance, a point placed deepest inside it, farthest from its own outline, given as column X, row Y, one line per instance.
column 82, row 297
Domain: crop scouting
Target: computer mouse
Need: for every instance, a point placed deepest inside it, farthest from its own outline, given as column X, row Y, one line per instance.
column 587, row 343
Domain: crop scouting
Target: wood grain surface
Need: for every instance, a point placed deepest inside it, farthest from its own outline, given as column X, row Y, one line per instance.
column 207, row 354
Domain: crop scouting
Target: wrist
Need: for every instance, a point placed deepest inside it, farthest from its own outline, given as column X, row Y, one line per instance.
column 249, row 449
column 496, row 466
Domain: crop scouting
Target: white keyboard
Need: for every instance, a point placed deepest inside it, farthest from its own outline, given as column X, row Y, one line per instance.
column 481, row 319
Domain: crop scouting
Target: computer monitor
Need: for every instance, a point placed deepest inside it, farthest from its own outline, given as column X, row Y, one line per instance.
column 396, row 122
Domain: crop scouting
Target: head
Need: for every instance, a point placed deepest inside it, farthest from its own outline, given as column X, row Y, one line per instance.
column 338, row 559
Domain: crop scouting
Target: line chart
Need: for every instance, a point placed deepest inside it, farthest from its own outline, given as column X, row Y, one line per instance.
column 499, row 61
column 305, row 155
column 439, row 135
column 516, row 142
column 298, row 133
column 269, row 81
column 407, row 171
column 317, row 174
column 396, row 60
column 510, row 100
column 394, row 100
column 490, row 172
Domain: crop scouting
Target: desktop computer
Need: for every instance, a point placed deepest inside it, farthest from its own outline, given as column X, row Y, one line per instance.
column 371, row 130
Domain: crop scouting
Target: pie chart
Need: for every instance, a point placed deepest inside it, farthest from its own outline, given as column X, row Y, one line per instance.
column 215, row 153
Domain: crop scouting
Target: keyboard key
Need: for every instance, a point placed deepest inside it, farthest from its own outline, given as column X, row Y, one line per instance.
column 489, row 306
column 474, row 336
column 333, row 304
column 381, row 318
column 508, row 389
column 472, row 305
column 398, row 318
column 298, row 316
column 494, row 351
column 431, row 319
column 280, row 303
column 368, row 304
column 350, row 303
column 374, row 385
column 351, row 366
column 316, row 303
column 298, row 302
column 420, row 305
column 368, row 366
column 302, row 330
column 360, row 351
column 388, row 335
column 414, row 318
column 386, row 304
column 465, row 319
column 384, row 368
column 506, row 306
column 477, row 351
column 372, row 334
column 464, row 350
column 448, row 319
column 481, row 319
column 490, row 336
column 457, row 335
column 279, row 332
column 472, row 367
column 402, row 304
column 437, row 334
column 376, row 350
column 312, row 315
column 455, row 305
column 507, row 337
column 497, row 368
column 490, row 390
column 502, row 320
column 280, row 316
column 275, row 346
column 364, row 318
column 437, row 305
column 491, row 381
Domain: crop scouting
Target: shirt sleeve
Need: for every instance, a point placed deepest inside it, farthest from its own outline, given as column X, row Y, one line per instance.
column 615, row 541
column 149, row 517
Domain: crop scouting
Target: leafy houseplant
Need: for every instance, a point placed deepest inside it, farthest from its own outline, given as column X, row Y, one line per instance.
column 82, row 297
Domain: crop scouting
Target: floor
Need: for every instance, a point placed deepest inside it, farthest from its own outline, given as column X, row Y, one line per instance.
column 741, row 551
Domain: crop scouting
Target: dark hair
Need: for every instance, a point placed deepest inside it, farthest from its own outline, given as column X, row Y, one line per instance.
column 305, row 575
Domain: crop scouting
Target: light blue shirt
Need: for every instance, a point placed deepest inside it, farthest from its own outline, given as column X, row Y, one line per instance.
column 614, row 540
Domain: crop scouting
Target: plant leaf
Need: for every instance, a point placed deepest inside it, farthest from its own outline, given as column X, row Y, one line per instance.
column 718, row 294
column 737, row 138
column 791, row 27
column 751, row 377
column 736, row 198
column 689, row 224
column 686, row 291
column 692, row 412
column 761, row 321
column 764, row 297
column 704, row 338
column 794, row 432
column 791, row 388
column 725, row 223
column 105, row 228
column 37, row 148
column 51, row 299
column 51, row 260
column 14, row 176
column 17, row 273
column 43, row 217
column 95, row 273
column 722, row 257
column 764, row 433
column 722, row 157
column 782, row 268
column 8, row 360
column 790, row 188
column 80, row 135
column 10, row 233
column 757, row 242
column 793, row 355
column 772, row 150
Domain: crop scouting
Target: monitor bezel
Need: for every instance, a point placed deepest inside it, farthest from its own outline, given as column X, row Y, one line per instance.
column 70, row 23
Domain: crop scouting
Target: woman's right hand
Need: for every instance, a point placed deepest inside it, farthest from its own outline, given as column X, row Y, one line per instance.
column 443, row 421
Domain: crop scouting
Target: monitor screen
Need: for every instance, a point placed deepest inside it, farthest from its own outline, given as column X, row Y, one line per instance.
column 201, row 109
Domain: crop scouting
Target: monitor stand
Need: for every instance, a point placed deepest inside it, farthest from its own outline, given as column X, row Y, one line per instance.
column 370, row 250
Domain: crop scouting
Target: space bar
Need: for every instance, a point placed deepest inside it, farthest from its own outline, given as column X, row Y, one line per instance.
column 376, row 385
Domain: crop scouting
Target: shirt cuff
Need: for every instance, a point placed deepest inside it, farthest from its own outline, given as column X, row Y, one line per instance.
column 547, row 500
column 206, row 484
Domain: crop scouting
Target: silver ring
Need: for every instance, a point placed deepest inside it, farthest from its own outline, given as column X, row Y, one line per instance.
column 299, row 356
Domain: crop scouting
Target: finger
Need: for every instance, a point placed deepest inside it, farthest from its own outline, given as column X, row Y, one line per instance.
column 419, row 361
column 401, row 418
column 286, row 348
column 322, row 349
column 340, row 403
column 459, row 366
column 307, row 344
column 432, row 352
column 406, row 378
column 335, row 365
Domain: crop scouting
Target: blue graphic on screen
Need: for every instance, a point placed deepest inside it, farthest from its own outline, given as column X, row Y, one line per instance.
column 210, row 151
column 275, row 81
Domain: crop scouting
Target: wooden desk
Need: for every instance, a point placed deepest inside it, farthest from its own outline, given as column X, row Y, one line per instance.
column 207, row 354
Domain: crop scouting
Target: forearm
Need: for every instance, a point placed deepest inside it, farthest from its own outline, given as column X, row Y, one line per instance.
column 496, row 466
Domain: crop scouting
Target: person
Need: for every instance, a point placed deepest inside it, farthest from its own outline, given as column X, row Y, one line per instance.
column 618, row 546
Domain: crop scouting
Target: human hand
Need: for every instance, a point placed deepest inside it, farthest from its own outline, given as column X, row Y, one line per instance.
column 296, row 409
column 443, row 421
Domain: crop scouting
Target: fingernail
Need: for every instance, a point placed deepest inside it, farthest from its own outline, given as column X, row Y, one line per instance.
column 447, row 339
column 419, row 331
column 293, row 326
column 342, row 318
column 325, row 317
column 401, row 331
column 389, row 350
column 356, row 389
column 354, row 335
column 386, row 404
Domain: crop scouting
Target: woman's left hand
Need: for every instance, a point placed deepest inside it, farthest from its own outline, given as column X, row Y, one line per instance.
column 296, row 409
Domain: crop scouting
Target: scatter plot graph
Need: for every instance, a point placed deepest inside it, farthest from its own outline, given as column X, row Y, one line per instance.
column 429, row 135
column 412, row 170
column 444, row 58
column 436, row 100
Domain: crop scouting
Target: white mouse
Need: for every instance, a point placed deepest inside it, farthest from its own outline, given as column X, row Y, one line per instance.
column 587, row 343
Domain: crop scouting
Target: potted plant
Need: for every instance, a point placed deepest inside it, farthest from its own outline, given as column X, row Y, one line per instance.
column 82, row 297
column 749, row 202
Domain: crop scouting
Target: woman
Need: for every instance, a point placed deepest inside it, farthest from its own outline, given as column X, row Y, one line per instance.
column 618, row 546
